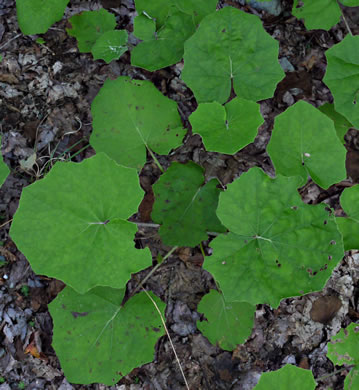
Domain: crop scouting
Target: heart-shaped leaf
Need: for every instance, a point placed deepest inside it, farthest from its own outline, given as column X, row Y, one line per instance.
column 231, row 46
column 98, row 340
column 72, row 225
column 110, row 45
column 226, row 129
column 304, row 143
column 130, row 116
column 283, row 247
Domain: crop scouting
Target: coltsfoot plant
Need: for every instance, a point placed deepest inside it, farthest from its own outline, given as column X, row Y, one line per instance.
column 73, row 224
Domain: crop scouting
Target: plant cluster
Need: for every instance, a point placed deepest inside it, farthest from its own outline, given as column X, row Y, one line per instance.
column 264, row 231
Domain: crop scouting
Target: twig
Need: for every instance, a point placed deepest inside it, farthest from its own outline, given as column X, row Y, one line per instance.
column 12, row 39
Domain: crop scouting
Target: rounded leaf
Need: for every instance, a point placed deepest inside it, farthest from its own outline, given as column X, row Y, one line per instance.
column 283, row 246
column 288, row 377
column 130, row 115
column 304, row 143
column 88, row 26
column 342, row 77
column 72, row 225
column 36, row 16
column 226, row 323
column 226, row 129
column 231, row 46
column 110, row 46
column 98, row 340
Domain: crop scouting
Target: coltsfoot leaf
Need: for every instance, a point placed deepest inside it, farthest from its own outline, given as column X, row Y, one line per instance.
column 304, row 143
column 72, row 225
column 110, row 45
column 278, row 246
column 97, row 339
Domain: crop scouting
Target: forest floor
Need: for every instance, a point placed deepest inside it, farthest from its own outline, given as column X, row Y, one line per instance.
column 45, row 95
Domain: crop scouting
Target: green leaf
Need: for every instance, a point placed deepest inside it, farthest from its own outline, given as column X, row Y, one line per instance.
column 349, row 226
column 36, row 16
column 88, row 26
column 304, row 143
column 226, row 323
column 328, row 10
column 130, row 115
column 344, row 349
column 4, row 169
column 342, row 77
column 144, row 27
column 97, row 340
column 231, row 46
column 288, row 377
column 341, row 124
column 229, row 128
column 110, row 46
column 283, row 247
column 166, row 47
column 157, row 10
column 185, row 206
column 350, row 3
column 197, row 9
column 72, row 225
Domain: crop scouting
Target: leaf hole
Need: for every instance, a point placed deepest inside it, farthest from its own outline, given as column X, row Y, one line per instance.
column 332, row 242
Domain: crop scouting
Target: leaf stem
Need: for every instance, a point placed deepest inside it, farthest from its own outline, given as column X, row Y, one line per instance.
column 155, row 159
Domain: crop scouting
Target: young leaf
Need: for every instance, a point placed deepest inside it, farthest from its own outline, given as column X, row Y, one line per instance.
column 130, row 116
column 304, row 143
column 344, row 349
column 283, row 246
column 72, row 225
column 4, row 169
column 88, row 26
column 226, row 129
column 231, row 46
column 342, row 77
column 185, row 206
column 341, row 124
column 98, row 340
column 166, row 47
column 288, row 377
column 349, row 227
column 110, row 46
column 328, row 10
column 226, row 323
column 36, row 16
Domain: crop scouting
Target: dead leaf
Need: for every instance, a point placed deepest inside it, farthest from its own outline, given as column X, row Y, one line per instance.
column 325, row 308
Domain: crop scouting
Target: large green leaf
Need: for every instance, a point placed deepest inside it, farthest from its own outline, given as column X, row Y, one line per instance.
column 110, row 46
column 226, row 129
column 36, row 16
column 72, row 225
column 278, row 247
column 185, row 206
column 349, row 226
column 304, row 143
column 97, row 339
column 88, row 26
column 342, row 77
column 4, row 169
column 288, row 377
column 130, row 116
column 165, row 47
column 144, row 27
column 225, row 323
column 231, row 46
column 344, row 349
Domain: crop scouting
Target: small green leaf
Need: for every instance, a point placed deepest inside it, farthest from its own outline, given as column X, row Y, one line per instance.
column 283, row 246
column 304, row 143
column 226, row 323
column 4, row 169
column 110, row 46
column 288, row 377
column 130, row 115
column 36, row 16
column 98, row 340
column 197, row 9
column 157, row 10
column 88, row 26
column 185, row 206
column 342, row 77
column 341, row 124
column 344, row 349
column 72, row 225
column 231, row 46
column 328, row 10
column 350, row 3
column 40, row 41
column 349, row 226
column 144, row 27
column 1, row 57
column 226, row 129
